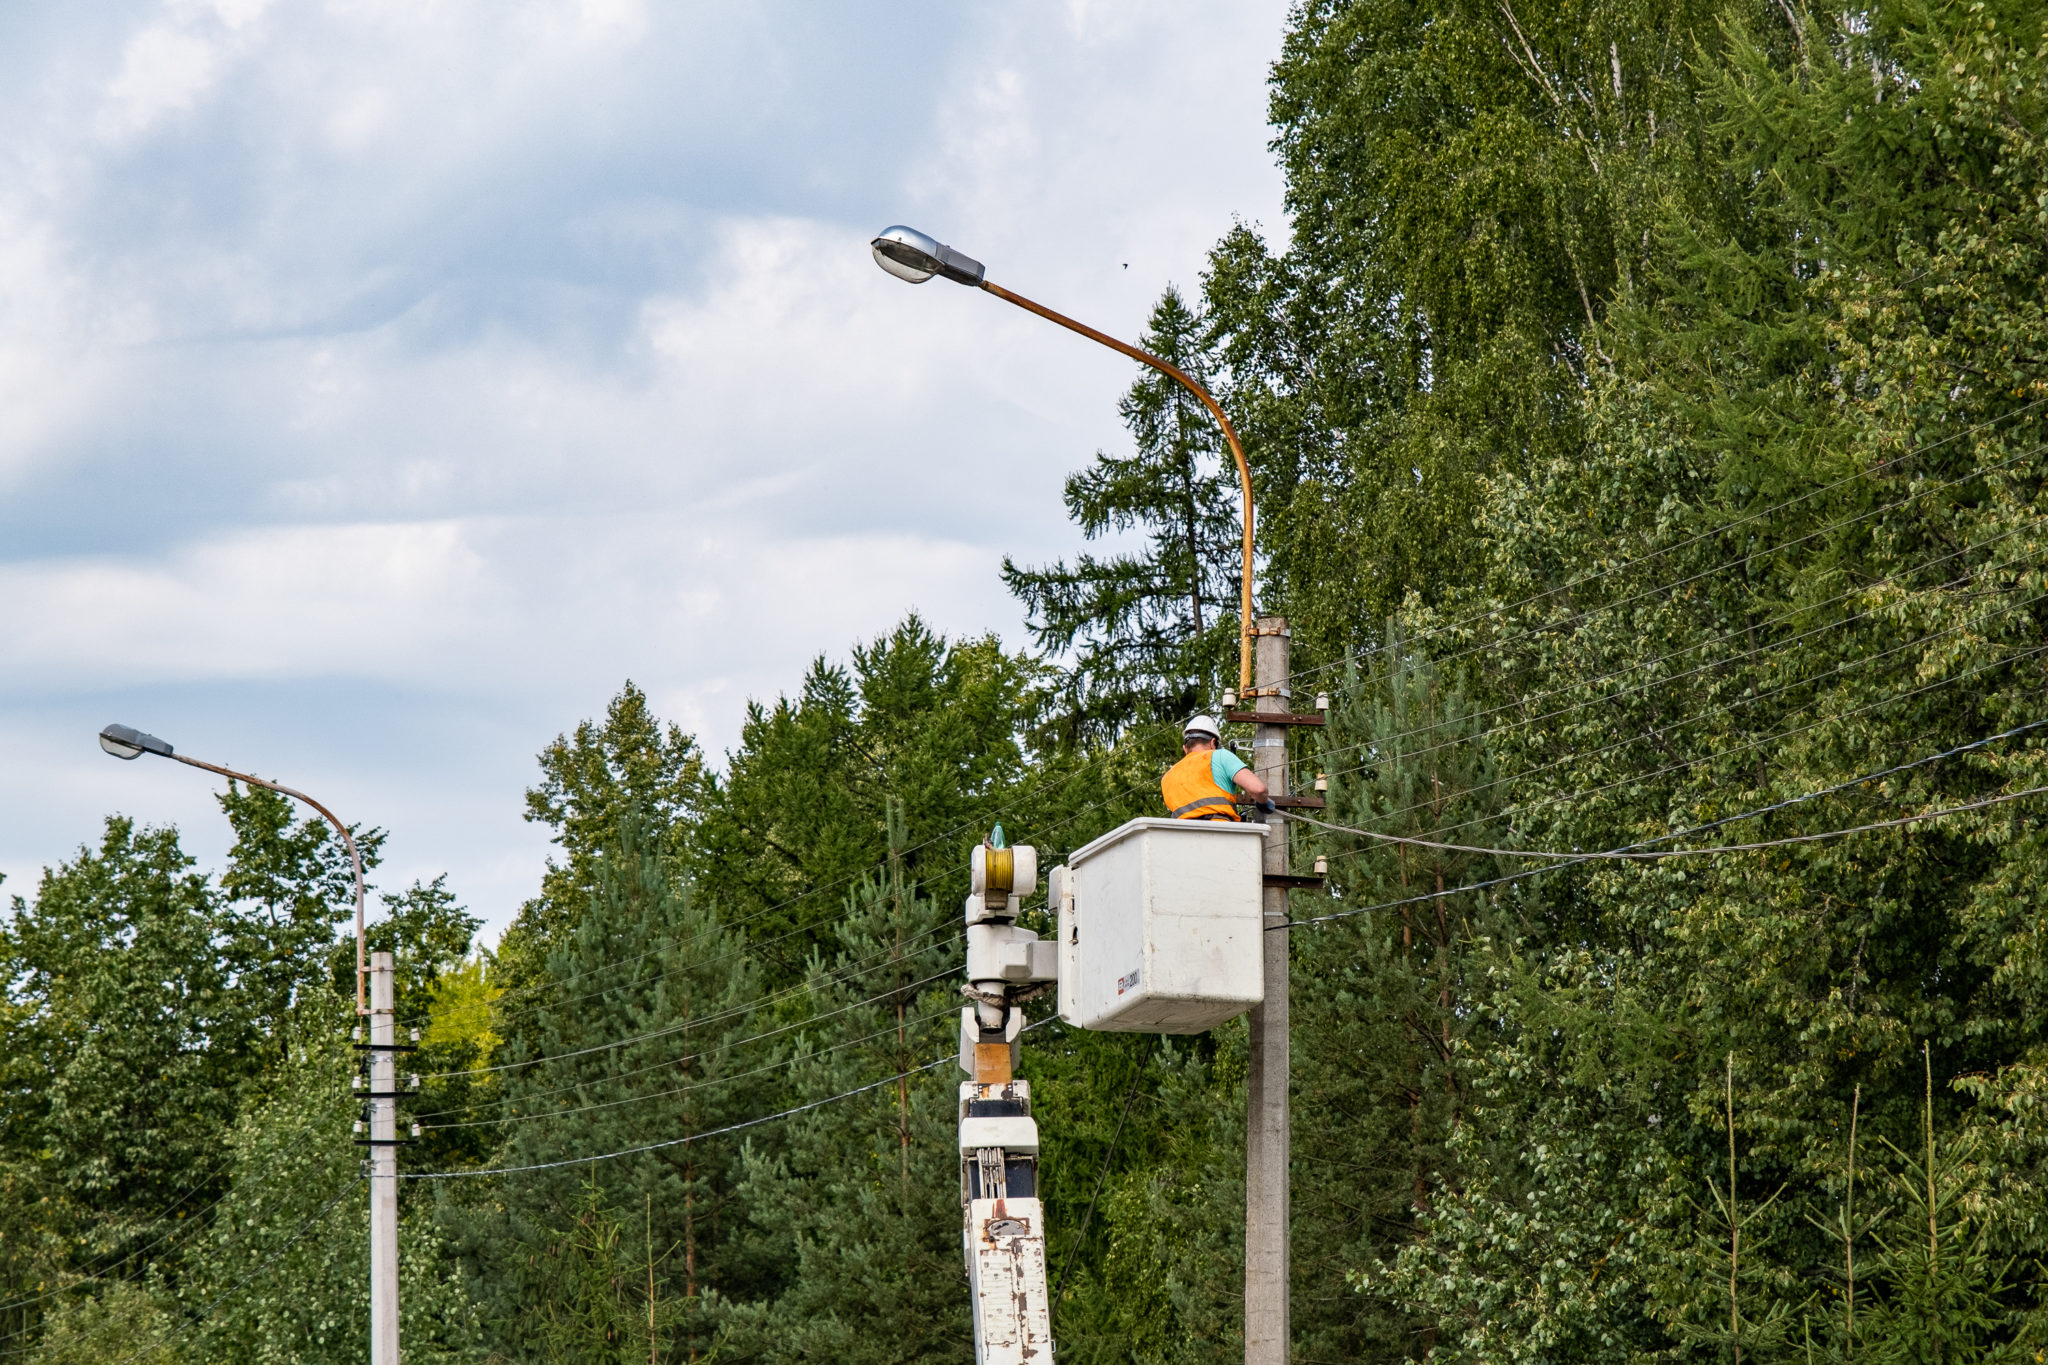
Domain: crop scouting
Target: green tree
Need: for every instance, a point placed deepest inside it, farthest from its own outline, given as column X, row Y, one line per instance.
column 860, row 1199
column 650, row 1038
column 130, row 1047
column 931, row 728
column 428, row 936
column 288, row 885
column 590, row 779
column 602, row 1301
column 1801, row 545
column 1469, row 188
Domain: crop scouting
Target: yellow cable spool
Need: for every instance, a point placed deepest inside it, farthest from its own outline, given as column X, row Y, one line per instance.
column 999, row 868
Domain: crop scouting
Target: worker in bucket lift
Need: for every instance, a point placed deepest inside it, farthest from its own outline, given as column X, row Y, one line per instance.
column 1201, row 785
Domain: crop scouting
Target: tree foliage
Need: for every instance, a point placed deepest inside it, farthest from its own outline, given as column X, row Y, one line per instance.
column 1648, row 413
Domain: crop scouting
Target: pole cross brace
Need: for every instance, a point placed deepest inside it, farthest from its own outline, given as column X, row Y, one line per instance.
column 386, row 1047
column 1274, row 717
column 1288, row 882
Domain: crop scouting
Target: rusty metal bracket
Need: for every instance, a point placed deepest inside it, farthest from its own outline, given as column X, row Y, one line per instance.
column 1274, row 717
column 1290, row 882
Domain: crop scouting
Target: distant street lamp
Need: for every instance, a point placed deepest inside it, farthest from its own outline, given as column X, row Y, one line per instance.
column 125, row 741
column 912, row 256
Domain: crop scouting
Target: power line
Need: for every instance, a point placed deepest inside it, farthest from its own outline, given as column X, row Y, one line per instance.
column 765, row 1002
column 1108, row 1154
column 1682, row 765
column 635, row 1071
column 175, row 1231
column 1007, row 806
column 111, row 1326
column 706, row 1084
column 293, row 1240
column 1569, row 860
column 1067, row 779
column 1665, row 853
column 684, row 1025
column 1589, row 613
column 693, row 1137
column 1753, row 652
column 1108, row 755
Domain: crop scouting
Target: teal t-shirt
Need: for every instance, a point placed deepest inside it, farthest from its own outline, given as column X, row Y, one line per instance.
column 1224, row 766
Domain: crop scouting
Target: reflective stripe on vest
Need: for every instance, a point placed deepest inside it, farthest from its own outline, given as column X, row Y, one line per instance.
column 1190, row 791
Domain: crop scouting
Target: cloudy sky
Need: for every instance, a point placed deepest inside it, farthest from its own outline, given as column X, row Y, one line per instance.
column 383, row 381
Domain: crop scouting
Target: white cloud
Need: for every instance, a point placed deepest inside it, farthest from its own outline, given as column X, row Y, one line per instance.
column 430, row 367
column 360, row 119
column 164, row 71
column 279, row 601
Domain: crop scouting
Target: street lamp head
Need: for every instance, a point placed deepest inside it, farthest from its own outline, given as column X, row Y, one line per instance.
column 909, row 255
column 125, row 741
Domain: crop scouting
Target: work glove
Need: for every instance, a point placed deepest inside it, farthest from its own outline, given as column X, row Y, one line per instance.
column 1268, row 805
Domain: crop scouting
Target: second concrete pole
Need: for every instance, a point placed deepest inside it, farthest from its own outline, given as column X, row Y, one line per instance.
column 1268, row 1123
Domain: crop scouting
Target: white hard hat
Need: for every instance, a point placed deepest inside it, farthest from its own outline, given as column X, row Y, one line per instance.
column 1203, row 727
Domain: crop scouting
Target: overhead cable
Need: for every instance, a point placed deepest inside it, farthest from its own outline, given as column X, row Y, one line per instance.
column 681, row 1026
column 709, row 1082
column 1753, row 652
column 693, row 1137
column 1575, row 859
column 1747, row 746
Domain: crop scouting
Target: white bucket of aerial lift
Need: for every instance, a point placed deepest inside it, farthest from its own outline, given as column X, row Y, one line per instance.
column 1160, row 927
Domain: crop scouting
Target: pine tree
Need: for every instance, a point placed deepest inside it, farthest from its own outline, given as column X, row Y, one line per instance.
column 1147, row 631
column 649, row 961
column 860, row 1198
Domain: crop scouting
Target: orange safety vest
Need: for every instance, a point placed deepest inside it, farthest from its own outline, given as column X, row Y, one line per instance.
column 1191, row 792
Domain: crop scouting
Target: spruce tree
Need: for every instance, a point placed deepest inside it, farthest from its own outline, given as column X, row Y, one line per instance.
column 1147, row 631
column 929, row 727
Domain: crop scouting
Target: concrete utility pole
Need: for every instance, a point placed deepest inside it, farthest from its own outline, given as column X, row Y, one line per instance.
column 915, row 257
column 383, row 1164
column 1268, row 1122
column 127, row 742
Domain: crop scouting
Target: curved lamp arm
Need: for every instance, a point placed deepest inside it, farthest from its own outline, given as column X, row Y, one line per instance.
column 123, row 741
column 1244, row 473
column 914, row 257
